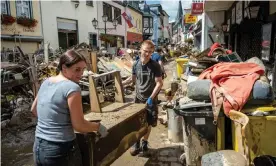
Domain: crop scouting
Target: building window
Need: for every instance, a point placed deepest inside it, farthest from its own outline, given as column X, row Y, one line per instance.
column 107, row 9
column 89, row 3
column 5, row 7
column 117, row 15
column 23, row 8
column 146, row 22
column 67, row 33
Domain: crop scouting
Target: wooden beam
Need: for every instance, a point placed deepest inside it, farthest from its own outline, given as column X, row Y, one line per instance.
column 119, row 92
column 94, row 98
column 105, row 74
column 93, row 58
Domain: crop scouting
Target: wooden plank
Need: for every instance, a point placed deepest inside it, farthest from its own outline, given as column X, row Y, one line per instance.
column 119, row 113
column 93, row 57
column 94, row 98
column 104, row 74
column 119, row 92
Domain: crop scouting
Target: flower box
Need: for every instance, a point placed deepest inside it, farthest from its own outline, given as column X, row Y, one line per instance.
column 27, row 22
column 7, row 19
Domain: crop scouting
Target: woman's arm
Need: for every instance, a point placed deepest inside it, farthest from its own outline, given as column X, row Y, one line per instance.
column 77, row 117
column 34, row 105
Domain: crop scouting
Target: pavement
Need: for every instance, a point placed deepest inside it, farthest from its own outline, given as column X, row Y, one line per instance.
column 163, row 152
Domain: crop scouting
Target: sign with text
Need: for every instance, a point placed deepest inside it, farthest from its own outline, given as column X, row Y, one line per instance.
column 197, row 8
column 190, row 19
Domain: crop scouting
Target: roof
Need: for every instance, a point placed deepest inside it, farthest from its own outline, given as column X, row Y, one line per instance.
column 155, row 5
column 165, row 13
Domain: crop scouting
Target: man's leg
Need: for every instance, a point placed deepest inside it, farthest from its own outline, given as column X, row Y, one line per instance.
column 152, row 122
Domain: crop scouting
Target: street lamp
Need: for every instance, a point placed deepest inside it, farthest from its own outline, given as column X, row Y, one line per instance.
column 104, row 17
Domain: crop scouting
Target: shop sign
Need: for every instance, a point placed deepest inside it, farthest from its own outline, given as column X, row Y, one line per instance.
column 190, row 19
column 197, row 8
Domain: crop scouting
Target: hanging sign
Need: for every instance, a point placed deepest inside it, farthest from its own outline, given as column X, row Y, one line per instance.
column 190, row 19
column 197, row 8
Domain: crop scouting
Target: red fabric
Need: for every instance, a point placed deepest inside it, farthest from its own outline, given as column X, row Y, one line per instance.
column 229, row 52
column 235, row 79
column 128, row 19
column 213, row 47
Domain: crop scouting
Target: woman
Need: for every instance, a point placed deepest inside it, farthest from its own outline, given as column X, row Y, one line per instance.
column 58, row 107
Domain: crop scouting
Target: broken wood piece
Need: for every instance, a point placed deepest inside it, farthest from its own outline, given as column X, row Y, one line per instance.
column 93, row 58
column 94, row 98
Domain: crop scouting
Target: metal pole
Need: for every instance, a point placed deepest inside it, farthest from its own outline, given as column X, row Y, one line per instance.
column 105, row 34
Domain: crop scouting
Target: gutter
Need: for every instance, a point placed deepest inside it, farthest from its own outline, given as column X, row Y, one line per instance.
column 41, row 21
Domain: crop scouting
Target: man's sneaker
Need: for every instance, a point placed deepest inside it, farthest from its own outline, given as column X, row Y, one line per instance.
column 135, row 149
column 144, row 146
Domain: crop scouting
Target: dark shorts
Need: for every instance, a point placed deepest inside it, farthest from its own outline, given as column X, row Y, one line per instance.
column 152, row 113
column 56, row 153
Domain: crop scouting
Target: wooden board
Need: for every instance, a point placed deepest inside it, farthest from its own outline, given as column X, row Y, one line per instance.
column 115, row 113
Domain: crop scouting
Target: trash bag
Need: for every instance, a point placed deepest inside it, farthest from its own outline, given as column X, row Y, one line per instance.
column 199, row 90
column 265, row 160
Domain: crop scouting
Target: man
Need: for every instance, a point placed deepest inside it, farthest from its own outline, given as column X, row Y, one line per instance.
column 158, row 58
column 147, row 75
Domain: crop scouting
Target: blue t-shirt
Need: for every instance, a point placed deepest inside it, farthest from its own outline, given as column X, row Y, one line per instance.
column 54, row 122
column 156, row 57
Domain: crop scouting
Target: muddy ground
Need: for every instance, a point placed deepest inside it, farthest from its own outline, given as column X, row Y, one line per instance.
column 17, row 139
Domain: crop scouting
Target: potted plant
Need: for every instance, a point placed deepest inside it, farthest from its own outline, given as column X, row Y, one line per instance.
column 27, row 22
column 7, row 19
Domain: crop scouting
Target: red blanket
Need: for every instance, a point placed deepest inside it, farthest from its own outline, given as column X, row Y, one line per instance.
column 231, row 82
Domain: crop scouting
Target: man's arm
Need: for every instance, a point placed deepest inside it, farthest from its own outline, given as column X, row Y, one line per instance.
column 158, row 86
column 162, row 67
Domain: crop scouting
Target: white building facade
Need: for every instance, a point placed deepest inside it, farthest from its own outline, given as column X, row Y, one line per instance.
column 114, row 11
column 67, row 23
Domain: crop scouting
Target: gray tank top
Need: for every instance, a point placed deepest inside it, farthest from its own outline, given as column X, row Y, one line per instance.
column 54, row 122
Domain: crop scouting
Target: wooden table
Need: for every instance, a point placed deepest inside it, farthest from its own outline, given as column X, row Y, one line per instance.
column 126, row 123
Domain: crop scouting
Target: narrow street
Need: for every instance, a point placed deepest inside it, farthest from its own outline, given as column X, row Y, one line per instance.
column 17, row 144
column 219, row 93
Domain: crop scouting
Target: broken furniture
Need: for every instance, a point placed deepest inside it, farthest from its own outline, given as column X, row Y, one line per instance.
column 126, row 123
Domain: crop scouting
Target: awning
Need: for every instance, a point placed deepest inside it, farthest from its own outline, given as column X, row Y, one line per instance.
column 217, row 5
column 134, row 37
column 66, row 24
